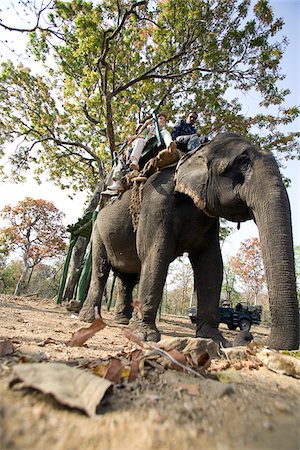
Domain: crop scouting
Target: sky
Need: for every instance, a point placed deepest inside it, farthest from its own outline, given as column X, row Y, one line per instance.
column 289, row 10
column 73, row 208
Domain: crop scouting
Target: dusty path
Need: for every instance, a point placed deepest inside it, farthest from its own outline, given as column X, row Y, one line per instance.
column 257, row 410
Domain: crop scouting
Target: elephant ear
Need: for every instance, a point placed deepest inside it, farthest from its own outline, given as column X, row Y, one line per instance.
column 191, row 177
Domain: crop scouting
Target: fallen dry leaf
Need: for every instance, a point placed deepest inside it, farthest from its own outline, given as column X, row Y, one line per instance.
column 179, row 358
column 203, row 360
column 6, row 347
column 69, row 386
column 136, row 365
column 197, row 352
column 125, row 366
column 114, row 371
column 132, row 337
column 101, row 369
column 279, row 363
column 83, row 334
column 168, row 356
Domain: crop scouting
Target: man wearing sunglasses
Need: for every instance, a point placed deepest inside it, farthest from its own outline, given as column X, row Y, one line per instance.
column 185, row 133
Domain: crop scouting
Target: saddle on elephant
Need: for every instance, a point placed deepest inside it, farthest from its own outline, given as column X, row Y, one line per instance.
column 154, row 156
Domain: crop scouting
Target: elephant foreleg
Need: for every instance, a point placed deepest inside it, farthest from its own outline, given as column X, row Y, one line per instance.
column 124, row 307
column 208, row 275
column 100, row 272
column 152, row 280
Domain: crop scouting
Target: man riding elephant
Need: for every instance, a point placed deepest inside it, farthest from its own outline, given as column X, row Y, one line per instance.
column 185, row 133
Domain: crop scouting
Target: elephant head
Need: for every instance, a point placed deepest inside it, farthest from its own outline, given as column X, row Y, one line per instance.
column 230, row 178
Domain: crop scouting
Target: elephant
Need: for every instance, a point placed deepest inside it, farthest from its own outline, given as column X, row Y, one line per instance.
column 228, row 177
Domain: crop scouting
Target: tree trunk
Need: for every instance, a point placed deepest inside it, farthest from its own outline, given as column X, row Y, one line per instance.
column 29, row 279
column 109, row 124
column 19, row 286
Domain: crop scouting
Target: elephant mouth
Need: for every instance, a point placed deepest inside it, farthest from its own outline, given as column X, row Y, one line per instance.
column 233, row 212
column 242, row 216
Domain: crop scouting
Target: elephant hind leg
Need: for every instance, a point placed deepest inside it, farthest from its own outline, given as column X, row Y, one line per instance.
column 100, row 272
column 124, row 307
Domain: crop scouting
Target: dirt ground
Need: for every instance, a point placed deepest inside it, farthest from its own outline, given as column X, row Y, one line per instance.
column 258, row 409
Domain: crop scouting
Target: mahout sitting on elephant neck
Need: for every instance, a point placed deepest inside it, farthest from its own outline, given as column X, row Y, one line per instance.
column 228, row 177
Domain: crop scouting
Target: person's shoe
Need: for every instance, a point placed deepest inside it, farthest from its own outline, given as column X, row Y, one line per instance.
column 116, row 186
column 134, row 166
column 109, row 192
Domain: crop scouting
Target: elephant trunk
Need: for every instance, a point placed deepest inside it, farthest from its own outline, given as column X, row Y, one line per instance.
column 272, row 214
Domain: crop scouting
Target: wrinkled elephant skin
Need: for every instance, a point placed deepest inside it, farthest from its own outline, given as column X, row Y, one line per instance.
column 228, row 178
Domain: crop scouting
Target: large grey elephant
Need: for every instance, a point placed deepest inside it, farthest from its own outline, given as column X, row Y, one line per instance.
column 228, row 178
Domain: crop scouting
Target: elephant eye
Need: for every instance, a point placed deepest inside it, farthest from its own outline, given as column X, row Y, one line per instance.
column 243, row 160
column 242, row 169
column 238, row 179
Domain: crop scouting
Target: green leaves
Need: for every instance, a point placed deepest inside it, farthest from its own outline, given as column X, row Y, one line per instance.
column 263, row 11
column 49, row 135
column 107, row 64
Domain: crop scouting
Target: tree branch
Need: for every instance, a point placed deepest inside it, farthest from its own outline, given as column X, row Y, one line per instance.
column 147, row 74
column 88, row 116
column 107, row 39
column 35, row 27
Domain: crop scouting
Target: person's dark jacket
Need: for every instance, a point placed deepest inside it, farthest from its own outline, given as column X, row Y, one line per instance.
column 186, row 136
column 182, row 129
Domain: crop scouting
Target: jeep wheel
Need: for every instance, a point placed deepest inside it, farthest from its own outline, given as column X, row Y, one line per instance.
column 231, row 326
column 245, row 325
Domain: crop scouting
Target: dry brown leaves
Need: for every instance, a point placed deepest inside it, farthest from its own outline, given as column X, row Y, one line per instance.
column 190, row 355
column 280, row 363
column 83, row 334
column 68, row 385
